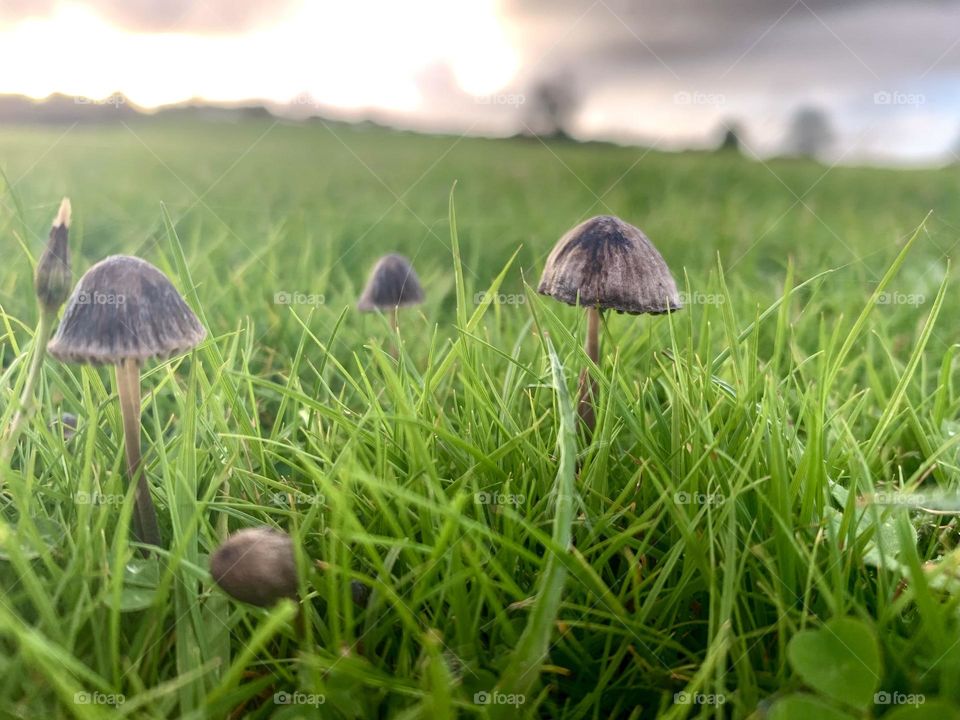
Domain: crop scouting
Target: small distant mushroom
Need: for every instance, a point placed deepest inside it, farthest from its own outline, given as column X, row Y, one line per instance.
column 123, row 312
column 359, row 593
column 256, row 566
column 392, row 284
column 607, row 264
column 66, row 424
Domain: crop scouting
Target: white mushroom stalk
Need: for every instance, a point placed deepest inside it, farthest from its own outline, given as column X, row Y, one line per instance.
column 128, row 392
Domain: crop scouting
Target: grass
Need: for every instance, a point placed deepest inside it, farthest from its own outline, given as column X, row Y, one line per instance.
column 722, row 508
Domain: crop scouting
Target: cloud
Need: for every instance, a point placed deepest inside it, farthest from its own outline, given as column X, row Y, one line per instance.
column 674, row 34
column 165, row 16
column 12, row 11
column 757, row 60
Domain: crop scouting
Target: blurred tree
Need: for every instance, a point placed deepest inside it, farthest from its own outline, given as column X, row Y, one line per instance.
column 730, row 140
column 552, row 105
column 810, row 134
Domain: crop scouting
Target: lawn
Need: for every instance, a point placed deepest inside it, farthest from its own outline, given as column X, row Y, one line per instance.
column 764, row 520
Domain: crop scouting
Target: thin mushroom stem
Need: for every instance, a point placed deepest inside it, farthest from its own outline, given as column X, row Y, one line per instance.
column 592, row 344
column 27, row 401
column 589, row 387
column 145, row 526
column 394, row 325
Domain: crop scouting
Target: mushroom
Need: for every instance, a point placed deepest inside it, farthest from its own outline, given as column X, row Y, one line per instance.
column 123, row 312
column 256, row 566
column 66, row 425
column 53, row 276
column 51, row 281
column 607, row 264
column 392, row 284
column 359, row 593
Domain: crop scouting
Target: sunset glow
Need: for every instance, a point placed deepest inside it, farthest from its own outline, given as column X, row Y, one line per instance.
column 305, row 53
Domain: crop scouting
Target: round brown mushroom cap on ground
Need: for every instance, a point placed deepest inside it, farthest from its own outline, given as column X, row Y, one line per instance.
column 256, row 566
column 392, row 283
column 607, row 263
column 124, row 308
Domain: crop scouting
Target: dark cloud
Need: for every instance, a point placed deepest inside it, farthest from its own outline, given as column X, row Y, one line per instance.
column 776, row 40
column 693, row 12
column 683, row 32
column 165, row 16
column 757, row 59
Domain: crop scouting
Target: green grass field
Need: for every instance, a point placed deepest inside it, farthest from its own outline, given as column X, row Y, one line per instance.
column 764, row 521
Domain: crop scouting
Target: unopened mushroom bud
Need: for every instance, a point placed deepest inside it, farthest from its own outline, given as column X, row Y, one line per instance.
column 256, row 566
column 53, row 279
column 52, row 284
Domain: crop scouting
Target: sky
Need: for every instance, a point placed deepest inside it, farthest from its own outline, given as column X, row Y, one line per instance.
column 668, row 73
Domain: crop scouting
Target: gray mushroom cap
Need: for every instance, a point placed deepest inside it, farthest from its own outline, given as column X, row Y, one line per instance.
column 256, row 566
column 124, row 308
column 392, row 283
column 607, row 263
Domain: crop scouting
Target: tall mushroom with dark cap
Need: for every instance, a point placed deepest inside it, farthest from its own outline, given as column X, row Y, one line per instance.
column 392, row 284
column 123, row 312
column 607, row 264
column 256, row 566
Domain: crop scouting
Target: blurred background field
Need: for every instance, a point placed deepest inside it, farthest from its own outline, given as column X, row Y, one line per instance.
column 250, row 197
